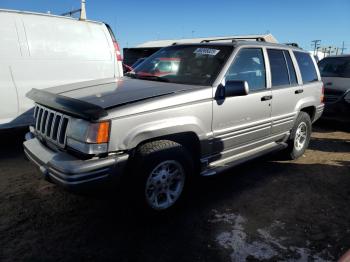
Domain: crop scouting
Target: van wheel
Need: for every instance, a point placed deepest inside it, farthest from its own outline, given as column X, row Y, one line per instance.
column 160, row 171
column 300, row 136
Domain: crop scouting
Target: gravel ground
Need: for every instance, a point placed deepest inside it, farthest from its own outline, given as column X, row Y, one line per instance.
column 265, row 210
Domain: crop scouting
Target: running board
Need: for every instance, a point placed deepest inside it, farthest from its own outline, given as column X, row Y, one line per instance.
column 224, row 164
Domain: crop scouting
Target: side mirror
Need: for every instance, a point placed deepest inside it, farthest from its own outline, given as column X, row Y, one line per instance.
column 236, row 88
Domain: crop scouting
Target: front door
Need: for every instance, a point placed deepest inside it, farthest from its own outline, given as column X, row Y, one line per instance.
column 241, row 120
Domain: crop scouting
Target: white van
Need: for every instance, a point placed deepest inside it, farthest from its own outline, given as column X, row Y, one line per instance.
column 42, row 50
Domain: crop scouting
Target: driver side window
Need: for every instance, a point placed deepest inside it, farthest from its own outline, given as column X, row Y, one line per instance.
column 249, row 66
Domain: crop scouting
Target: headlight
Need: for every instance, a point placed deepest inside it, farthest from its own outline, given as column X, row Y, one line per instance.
column 89, row 138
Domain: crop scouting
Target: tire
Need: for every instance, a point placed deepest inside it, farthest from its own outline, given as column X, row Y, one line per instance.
column 300, row 136
column 159, row 174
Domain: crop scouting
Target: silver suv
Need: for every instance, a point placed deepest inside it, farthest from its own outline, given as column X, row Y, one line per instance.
column 222, row 104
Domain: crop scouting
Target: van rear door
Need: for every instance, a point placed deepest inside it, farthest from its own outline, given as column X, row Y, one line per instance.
column 9, row 51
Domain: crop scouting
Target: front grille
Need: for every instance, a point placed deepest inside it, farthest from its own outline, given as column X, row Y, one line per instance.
column 51, row 125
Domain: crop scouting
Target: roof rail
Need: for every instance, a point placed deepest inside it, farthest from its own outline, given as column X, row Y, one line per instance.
column 292, row 44
column 234, row 39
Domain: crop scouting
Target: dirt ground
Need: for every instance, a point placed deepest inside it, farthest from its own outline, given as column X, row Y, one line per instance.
column 265, row 210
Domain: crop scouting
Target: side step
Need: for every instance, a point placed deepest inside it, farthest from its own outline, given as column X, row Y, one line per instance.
column 224, row 164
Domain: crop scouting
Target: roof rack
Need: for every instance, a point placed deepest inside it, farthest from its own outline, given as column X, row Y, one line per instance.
column 234, row 39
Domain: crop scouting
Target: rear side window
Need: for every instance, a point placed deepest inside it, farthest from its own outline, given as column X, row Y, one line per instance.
column 306, row 66
column 335, row 67
column 249, row 66
column 279, row 70
column 291, row 69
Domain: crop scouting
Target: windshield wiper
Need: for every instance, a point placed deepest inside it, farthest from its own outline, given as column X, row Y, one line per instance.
column 130, row 74
column 152, row 77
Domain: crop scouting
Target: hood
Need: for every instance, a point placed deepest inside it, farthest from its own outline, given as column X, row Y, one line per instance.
column 108, row 93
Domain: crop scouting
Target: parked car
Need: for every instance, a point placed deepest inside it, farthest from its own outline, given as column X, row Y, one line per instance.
column 42, row 50
column 335, row 73
column 226, row 103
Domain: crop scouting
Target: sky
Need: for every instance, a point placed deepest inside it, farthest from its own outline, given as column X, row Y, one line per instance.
column 135, row 22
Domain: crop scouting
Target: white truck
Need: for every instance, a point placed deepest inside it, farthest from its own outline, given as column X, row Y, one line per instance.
column 43, row 50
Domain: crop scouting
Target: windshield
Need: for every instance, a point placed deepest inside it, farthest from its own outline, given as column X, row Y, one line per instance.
column 335, row 67
column 191, row 64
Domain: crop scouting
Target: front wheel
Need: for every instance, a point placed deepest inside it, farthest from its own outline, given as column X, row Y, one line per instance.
column 161, row 170
column 300, row 136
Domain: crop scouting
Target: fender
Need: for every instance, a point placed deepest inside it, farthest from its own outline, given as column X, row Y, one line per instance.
column 306, row 102
column 163, row 127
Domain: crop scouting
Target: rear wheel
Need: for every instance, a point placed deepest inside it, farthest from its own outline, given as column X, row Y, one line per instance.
column 300, row 136
column 160, row 171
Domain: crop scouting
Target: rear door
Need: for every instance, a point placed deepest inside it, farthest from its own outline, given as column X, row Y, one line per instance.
column 10, row 52
column 241, row 120
column 285, row 90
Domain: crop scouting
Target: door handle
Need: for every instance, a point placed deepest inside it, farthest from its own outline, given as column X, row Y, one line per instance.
column 329, row 84
column 299, row 91
column 265, row 98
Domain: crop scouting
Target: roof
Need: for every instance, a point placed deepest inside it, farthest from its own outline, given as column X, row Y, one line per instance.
column 161, row 43
column 45, row 14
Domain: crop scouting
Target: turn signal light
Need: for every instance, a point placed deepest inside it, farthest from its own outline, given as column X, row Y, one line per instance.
column 98, row 133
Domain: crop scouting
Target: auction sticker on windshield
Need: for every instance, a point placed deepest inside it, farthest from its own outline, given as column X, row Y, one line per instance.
column 206, row 51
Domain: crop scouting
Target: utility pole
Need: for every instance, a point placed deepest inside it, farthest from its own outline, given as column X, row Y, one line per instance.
column 330, row 50
column 316, row 43
column 342, row 48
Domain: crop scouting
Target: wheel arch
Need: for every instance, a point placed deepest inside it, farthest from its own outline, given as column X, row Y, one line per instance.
column 310, row 110
column 189, row 140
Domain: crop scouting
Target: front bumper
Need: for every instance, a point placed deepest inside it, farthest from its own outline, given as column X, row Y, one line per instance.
column 71, row 172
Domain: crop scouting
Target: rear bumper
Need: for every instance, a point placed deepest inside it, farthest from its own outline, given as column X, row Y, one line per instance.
column 70, row 172
column 319, row 112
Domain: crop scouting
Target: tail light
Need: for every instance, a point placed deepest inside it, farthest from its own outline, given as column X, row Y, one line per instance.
column 117, row 51
column 322, row 95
